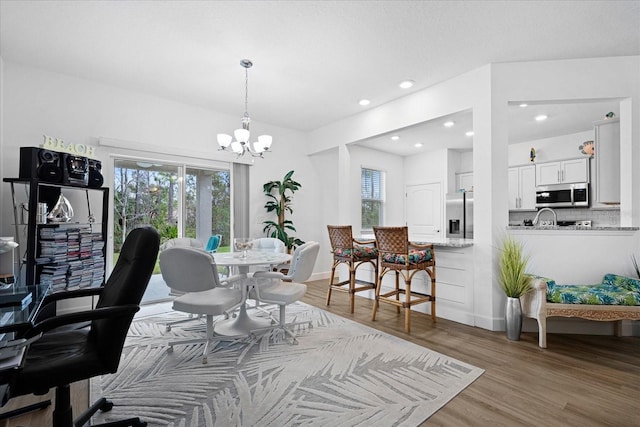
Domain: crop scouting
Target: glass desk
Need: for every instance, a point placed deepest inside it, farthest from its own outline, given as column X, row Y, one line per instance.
column 17, row 318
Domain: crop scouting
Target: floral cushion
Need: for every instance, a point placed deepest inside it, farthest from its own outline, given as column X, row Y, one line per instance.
column 415, row 256
column 358, row 252
column 614, row 290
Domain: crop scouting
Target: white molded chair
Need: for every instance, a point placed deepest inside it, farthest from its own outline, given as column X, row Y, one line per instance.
column 269, row 244
column 193, row 273
column 182, row 242
column 277, row 288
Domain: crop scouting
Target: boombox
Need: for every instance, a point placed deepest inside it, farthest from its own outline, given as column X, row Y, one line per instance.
column 75, row 170
column 45, row 165
column 95, row 174
column 60, row 168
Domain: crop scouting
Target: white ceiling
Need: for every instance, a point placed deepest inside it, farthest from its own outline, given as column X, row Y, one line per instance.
column 313, row 60
column 563, row 119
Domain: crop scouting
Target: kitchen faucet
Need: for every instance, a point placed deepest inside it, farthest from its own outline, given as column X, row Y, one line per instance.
column 537, row 217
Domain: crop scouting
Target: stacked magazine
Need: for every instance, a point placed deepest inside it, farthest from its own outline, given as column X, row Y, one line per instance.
column 71, row 257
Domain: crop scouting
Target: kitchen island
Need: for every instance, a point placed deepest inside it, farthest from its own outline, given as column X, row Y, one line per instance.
column 454, row 278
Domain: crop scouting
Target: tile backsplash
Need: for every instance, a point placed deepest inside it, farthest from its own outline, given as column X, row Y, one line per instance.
column 598, row 217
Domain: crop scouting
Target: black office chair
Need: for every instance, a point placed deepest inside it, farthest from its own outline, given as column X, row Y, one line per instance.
column 63, row 356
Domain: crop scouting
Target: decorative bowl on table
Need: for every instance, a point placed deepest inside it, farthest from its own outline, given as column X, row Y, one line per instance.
column 242, row 245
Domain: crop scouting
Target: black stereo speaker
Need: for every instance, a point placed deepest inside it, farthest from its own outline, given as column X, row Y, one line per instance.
column 45, row 165
column 75, row 170
column 95, row 174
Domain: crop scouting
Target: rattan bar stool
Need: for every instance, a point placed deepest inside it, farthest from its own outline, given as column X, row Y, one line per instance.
column 353, row 253
column 396, row 253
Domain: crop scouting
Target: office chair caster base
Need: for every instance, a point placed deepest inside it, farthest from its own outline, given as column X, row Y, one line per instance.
column 167, row 328
column 170, row 349
column 105, row 406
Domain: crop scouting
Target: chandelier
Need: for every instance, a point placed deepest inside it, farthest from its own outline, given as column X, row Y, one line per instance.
column 241, row 145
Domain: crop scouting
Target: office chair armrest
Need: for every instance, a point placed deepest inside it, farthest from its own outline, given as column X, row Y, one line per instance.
column 80, row 317
column 76, row 293
column 51, row 299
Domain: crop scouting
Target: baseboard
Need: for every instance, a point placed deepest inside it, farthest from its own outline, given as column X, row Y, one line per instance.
column 324, row 275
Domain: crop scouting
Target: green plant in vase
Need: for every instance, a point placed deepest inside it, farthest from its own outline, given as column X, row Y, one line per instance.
column 515, row 282
column 280, row 203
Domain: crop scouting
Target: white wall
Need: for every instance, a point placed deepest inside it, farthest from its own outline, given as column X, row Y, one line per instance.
column 37, row 102
column 549, row 149
column 487, row 92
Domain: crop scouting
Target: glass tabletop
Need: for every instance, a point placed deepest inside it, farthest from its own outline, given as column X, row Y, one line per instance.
column 252, row 258
column 18, row 306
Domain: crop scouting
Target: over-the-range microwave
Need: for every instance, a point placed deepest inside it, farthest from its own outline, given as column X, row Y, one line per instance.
column 563, row 196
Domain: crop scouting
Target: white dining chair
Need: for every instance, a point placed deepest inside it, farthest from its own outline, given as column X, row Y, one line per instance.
column 283, row 289
column 269, row 244
column 194, row 274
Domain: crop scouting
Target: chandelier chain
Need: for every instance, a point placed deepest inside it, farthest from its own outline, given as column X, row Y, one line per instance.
column 246, row 91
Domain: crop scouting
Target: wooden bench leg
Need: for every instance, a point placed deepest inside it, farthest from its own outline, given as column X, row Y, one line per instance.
column 542, row 331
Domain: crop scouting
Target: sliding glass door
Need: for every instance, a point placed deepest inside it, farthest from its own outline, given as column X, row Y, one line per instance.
column 208, row 205
column 177, row 199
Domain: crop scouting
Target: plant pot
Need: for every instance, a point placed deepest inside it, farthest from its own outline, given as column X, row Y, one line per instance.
column 513, row 318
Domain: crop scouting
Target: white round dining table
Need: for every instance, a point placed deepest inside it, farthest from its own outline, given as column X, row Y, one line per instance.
column 243, row 324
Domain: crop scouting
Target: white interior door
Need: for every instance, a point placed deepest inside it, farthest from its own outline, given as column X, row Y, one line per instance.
column 424, row 211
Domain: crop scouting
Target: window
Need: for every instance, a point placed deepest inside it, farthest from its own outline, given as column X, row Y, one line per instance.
column 372, row 197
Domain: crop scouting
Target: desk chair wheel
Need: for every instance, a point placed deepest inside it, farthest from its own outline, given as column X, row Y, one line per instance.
column 170, row 349
column 205, row 360
column 106, row 406
column 167, row 328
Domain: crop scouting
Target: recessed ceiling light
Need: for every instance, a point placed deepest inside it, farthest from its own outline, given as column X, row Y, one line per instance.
column 395, row 138
column 418, row 144
column 470, row 133
column 541, row 117
column 523, row 105
column 406, row 84
column 449, row 124
column 364, row 102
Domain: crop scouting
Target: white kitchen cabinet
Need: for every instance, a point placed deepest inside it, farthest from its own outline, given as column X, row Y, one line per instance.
column 464, row 181
column 562, row 172
column 522, row 188
column 607, row 161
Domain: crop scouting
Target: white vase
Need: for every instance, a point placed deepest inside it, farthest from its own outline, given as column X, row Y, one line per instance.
column 513, row 318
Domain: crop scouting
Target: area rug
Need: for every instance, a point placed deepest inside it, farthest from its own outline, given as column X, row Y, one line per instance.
column 340, row 373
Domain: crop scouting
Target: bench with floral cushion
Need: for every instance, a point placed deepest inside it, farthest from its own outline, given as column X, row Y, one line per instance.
column 616, row 298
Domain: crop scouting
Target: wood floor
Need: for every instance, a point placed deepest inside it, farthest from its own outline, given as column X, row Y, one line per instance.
column 579, row 380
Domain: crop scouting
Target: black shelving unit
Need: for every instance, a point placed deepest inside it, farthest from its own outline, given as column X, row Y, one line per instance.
column 46, row 192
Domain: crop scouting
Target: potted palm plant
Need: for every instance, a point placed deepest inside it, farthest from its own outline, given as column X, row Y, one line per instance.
column 280, row 203
column 515, row 282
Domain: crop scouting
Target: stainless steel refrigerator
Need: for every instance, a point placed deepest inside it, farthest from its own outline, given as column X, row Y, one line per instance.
column 459, row 212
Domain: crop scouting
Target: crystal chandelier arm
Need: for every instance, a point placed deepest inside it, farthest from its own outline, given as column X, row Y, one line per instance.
column 242, row 145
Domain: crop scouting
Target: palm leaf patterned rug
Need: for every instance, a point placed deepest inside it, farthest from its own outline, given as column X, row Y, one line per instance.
column 340, row 374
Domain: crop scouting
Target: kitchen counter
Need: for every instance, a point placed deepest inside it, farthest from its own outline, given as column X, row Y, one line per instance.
column 570, row 228
column 443, row 243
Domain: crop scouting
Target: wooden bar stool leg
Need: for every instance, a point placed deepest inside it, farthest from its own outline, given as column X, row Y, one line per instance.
column 377, row 297
column 398, row 291
column 433, row 299
column 333, row 272
column 352, row 287
column 407, row 307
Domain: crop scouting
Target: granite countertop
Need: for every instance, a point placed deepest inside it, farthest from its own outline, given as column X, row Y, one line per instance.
column 443, row 243
column 571, row 227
